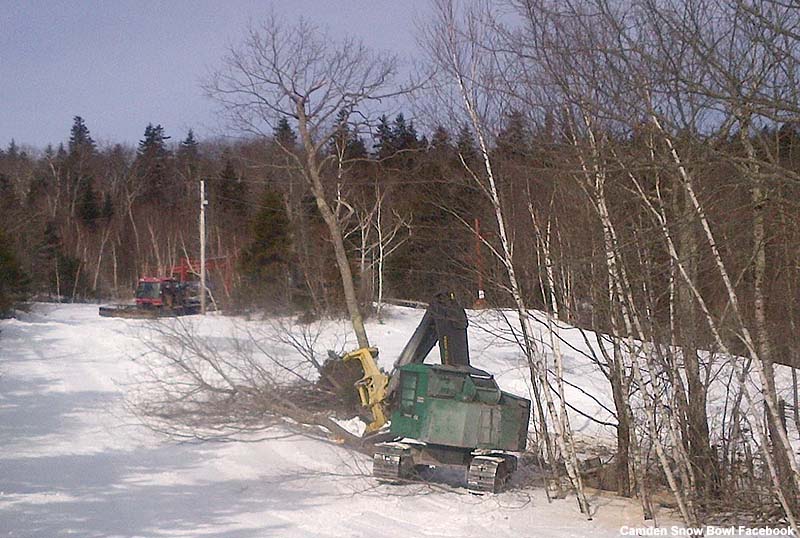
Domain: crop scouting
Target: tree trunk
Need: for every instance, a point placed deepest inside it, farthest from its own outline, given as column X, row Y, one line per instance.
column 774, row 421
column 536, row 365
column 312, row 171
column 623, row 434
column 698, row 443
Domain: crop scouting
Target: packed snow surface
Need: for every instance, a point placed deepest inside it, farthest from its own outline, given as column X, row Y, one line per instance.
column 74, row 461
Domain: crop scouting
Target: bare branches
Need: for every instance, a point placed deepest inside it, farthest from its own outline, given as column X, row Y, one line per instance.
column 193, row 386
column 282, row 70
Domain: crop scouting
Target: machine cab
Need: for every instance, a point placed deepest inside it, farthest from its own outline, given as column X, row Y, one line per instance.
column 156, row 291
column 458, row 406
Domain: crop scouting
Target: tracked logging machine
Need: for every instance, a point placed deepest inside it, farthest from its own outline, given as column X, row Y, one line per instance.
column 448, row 414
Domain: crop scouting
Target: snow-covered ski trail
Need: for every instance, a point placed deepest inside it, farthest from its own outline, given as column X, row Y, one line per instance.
column 73, row 462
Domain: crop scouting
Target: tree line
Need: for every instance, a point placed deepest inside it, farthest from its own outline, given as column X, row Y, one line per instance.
column 82, row 222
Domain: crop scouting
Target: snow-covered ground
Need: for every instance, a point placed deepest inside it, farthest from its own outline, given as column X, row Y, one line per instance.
column 73, row 461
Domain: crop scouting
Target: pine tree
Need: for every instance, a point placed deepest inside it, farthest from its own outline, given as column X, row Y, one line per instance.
column 153, row 144
column 440, row 141
column 8, row 198
column 80, row 141
column 465, row 144
column 13, row 150
column 400, row 136
column 13, row 280
column 345, row 139
column 189, row 147
column 284, row 135
column 51, row 241
column 229, row 191
column 265, row 261
column 187, row 163
column 87, row 207
column 77, row 167
column 384, row 146
column 404, row 134
column 52, row 268
column 153, row 163
column 514, row 139
column 108, row 207
column 189, row 152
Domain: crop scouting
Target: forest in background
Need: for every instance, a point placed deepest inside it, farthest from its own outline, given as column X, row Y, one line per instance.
column 633, row 167
column 85, row 222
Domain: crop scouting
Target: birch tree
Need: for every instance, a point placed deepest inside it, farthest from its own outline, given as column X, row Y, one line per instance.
column 457, row 51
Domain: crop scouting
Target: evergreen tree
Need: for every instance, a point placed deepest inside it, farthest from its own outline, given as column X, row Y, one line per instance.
column 13, row 281
column 78, row 169
column 153, row 163
column 189, row 147
column 51, row 243
column 153, row 145
column 87, row 207
column 13, row 150
column 188, row 154
column 465, row 144
column 399, row 136
column 80, row 141
column 283, row 135
column 37, row 190
column 440, row 139
column 265, row 261
column 187, row 162
column 8, row 198
column 52, row 267
column 229, row 190
column 356, row 149
column 514, row 139
column 108, row 207
column 345, row 138
column 384, row 146
column 789, row 145
column 404, row 135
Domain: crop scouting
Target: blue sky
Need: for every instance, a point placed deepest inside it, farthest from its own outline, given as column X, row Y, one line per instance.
column 121, row 64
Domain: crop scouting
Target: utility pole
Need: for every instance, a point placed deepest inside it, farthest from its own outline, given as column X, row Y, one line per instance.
column 480, row 302
column 203, row 204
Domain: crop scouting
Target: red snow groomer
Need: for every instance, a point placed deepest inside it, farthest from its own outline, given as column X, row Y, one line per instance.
column 163, row 293
column 156, row 297
column 174, row 295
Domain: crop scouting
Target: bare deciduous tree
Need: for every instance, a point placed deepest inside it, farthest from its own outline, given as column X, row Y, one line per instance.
column 457, row 47
column 300, row 72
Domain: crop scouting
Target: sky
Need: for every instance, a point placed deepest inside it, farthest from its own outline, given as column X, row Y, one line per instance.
column 122, row 64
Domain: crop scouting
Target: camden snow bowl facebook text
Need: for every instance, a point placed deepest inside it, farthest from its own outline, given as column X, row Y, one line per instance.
column 675, row 530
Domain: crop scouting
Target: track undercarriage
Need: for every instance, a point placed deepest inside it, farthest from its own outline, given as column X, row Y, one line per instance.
column 490, row 472
column 137, row 312
column 487, row 472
